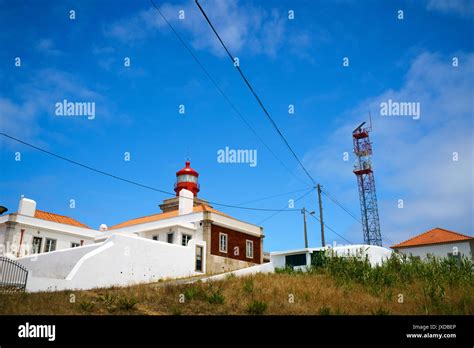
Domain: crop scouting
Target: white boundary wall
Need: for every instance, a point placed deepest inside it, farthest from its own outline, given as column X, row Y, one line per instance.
column 119, row 261
column 262, row 268
column 55, row 264
column 375, row 254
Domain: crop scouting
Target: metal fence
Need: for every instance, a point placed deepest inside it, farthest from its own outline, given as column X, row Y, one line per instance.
column 13, row 276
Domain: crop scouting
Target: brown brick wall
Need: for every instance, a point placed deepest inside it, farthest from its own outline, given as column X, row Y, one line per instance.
column 235, row 239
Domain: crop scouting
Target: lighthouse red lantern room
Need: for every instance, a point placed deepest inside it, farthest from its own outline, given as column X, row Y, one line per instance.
column 187, row 178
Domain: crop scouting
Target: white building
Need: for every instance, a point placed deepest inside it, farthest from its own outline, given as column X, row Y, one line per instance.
column 187, row 238
column 302, row 258
column 437, row 242
column 32, row 231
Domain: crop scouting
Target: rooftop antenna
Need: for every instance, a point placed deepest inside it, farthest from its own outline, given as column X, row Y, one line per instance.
column 370, row 121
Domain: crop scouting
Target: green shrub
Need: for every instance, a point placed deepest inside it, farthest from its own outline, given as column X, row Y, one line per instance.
column 319, row 259
column 127, row 304
column 248, row 286
column 324, row 310
column 215, row 297
column 285, row 270
column 108, row 299
column 434, row 273
column 86, row 306
column 175, row 310
column 192, row 293
column 256, row 307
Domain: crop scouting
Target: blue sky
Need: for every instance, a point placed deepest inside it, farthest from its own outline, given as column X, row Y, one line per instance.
column 295, row 62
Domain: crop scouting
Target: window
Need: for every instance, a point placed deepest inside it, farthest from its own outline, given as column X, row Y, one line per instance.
column 156, row 237
column 50, row 245
column 75, row 245
column 187, row 178
column 295, row 260
column 222, row 242
column 198, row 258
column 37, row 245
column 249, row 249
column 185, row 238
column 170, row 238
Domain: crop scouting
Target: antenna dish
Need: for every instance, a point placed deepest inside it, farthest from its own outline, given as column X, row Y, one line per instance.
column 358, row 127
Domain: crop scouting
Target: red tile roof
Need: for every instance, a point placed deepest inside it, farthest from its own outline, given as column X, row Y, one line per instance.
column 435, row 236
column 163, row 216
column 61, row 219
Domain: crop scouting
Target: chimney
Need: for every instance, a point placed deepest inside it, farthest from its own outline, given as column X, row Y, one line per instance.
column 186, row 202
column 27, row 207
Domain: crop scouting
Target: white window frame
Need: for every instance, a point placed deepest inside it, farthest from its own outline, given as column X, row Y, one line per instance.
column 172, row 237
column 185, row 235
column 39, row 246
column 75, row 245
column 201, row 248
column 156, row 237
column 46, row 249
column 226, row 242
column 247, row 243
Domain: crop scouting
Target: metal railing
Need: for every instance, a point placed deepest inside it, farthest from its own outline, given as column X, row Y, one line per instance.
column 13, row 276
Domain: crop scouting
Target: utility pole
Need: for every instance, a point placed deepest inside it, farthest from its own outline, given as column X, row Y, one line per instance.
column 321, row 214
column 303, row 211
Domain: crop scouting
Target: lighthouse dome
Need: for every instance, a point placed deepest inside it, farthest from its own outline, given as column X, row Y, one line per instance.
column 187, row 178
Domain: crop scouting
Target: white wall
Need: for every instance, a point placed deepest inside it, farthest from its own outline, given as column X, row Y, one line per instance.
column 121, row 260
column 55, row 264
column 3, row 228
column 236, row 225
column 439, row 250
column 375, row 254
column 262, row 268
column 177, row 231
column 279, row 260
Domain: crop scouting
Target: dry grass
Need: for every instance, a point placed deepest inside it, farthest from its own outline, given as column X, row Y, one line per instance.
column 303, row 294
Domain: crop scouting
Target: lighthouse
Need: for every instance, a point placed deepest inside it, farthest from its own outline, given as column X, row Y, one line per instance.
column 187, row 178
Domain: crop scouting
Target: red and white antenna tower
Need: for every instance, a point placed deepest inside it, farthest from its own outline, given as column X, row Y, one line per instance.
column 365, row 180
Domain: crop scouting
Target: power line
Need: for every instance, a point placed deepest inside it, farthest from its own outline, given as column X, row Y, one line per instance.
column 273, row 196
column 252, row 91
column 128, row 180
column 296, row 200
column 340, row 205
column 332, row 198
column 259, row 102
column 213, row 81
column 255, row 94
column 331, row 229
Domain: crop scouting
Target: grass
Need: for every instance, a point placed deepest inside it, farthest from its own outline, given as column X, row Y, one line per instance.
column 332, row 286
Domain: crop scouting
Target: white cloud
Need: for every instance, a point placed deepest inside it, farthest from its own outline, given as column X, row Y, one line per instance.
column 20, row 117
column 413, row 159
column 246, row 28
column 47, row 46
column 459, row 7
